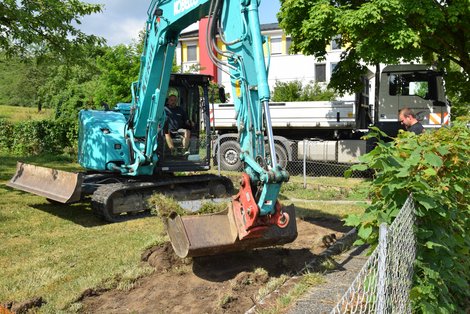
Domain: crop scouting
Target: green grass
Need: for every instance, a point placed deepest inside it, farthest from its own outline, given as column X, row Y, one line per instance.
column 17, row 114
column 306, row 282
column 326, row 188
column 333, row 197
column 58, row 251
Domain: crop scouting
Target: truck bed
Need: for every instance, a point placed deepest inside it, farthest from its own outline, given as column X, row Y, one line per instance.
column 313, row 114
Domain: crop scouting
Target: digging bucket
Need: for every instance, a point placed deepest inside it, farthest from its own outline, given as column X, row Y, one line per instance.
column 213, row 234
column 57, row 185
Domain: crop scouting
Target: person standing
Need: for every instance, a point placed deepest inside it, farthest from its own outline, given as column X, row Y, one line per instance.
column 408, row 118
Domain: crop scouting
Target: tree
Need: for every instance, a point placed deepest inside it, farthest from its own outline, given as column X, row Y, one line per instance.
column 20, row 80
column 35, row 27
column 379, row 31
column 119, row 67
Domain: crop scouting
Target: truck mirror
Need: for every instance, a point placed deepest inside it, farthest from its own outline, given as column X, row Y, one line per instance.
column 222, row 97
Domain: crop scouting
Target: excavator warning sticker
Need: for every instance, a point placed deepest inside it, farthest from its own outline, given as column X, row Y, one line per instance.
column 436, row 118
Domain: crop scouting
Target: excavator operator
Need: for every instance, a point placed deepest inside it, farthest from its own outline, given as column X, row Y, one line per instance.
column 177, row 123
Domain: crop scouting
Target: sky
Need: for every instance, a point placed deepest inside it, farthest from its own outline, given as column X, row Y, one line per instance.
column 121, row 20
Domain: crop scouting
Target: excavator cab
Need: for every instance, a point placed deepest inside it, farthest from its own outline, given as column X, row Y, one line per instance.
column 184, row 138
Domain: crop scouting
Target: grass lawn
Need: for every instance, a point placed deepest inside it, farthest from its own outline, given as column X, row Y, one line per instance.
column 58, row 251
column 17, row 114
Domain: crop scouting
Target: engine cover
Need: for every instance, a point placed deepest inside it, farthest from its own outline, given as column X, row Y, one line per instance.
column 101, row 141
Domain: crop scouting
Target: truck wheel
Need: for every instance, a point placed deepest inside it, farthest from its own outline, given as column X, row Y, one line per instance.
column 230, row 156
column 281, row 155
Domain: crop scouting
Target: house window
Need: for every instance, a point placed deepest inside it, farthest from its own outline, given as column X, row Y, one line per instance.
column 192, row 52
column 276, row 47
column 288, row 44
column 336, row 43
column 320, row 72
column 333, row 67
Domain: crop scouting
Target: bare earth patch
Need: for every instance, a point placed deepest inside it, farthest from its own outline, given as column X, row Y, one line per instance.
column 228, row 283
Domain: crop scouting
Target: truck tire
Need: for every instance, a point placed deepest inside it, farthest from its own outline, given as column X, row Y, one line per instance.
column 281, row 155
column 230, row 156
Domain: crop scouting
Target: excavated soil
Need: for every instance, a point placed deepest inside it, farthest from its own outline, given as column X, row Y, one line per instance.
column 220, row 284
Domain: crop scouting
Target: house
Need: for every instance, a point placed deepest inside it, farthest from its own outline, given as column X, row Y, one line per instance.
column 191, row 56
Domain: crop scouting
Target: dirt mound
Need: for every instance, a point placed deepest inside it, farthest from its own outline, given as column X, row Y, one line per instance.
column 227, row 283
column 163, row 258
column 23, row 307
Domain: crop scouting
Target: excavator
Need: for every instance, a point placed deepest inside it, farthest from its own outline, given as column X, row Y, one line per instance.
column 126, row 158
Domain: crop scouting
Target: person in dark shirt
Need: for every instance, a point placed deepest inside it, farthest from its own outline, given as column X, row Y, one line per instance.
column 408, row 119
column 177, row 121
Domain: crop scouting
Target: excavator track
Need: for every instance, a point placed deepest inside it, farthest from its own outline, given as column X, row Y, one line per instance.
column 118, row 202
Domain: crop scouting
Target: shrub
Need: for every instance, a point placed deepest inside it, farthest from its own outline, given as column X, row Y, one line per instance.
column 38, row 137
column 6, row 138
column 435, row 167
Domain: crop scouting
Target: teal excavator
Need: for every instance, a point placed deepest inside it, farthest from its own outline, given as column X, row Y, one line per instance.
column 126, row 158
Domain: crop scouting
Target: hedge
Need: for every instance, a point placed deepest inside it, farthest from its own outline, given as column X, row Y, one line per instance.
column 38, row 137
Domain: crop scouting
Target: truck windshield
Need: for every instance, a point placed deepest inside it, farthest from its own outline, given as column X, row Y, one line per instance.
column 413, row 84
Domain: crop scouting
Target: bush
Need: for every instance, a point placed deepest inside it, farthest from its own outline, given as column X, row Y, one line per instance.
column 6, row 138
column 435, row 167
column 38, row 137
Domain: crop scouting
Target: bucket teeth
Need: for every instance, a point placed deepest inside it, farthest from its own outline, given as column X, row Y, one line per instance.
column 57, row 185
column 213, row 234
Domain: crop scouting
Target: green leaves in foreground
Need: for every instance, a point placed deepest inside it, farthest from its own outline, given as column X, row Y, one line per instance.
column 435, row 167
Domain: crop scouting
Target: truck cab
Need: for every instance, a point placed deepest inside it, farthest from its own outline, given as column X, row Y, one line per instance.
column 418, row 87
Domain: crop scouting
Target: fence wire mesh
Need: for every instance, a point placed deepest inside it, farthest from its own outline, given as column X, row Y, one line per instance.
column 299, row 158
column 383, row 285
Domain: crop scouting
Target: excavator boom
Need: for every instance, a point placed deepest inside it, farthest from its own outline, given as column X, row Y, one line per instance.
column 126, row 150
column 255, row 218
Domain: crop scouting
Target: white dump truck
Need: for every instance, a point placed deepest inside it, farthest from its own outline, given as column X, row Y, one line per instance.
column 331, row 131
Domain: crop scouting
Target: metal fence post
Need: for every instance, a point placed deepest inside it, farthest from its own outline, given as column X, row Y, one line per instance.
column 305, row 163
column 382, row 270
column 218, row 154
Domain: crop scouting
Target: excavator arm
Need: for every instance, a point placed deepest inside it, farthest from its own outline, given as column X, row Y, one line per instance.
column 121, row 149
column 255, row 217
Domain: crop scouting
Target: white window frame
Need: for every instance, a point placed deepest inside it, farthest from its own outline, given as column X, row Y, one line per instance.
column 288, row 44
column 317, row 65
column 192, row 46
column 333, row 65
column 334, row 43
column 276, row 45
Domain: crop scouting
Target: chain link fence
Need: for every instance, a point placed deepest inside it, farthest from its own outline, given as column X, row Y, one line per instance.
column 307, row 158
column 383, row 285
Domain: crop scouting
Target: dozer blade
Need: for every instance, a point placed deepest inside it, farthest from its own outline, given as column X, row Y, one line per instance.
column 212, row 234
column 57, row 185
